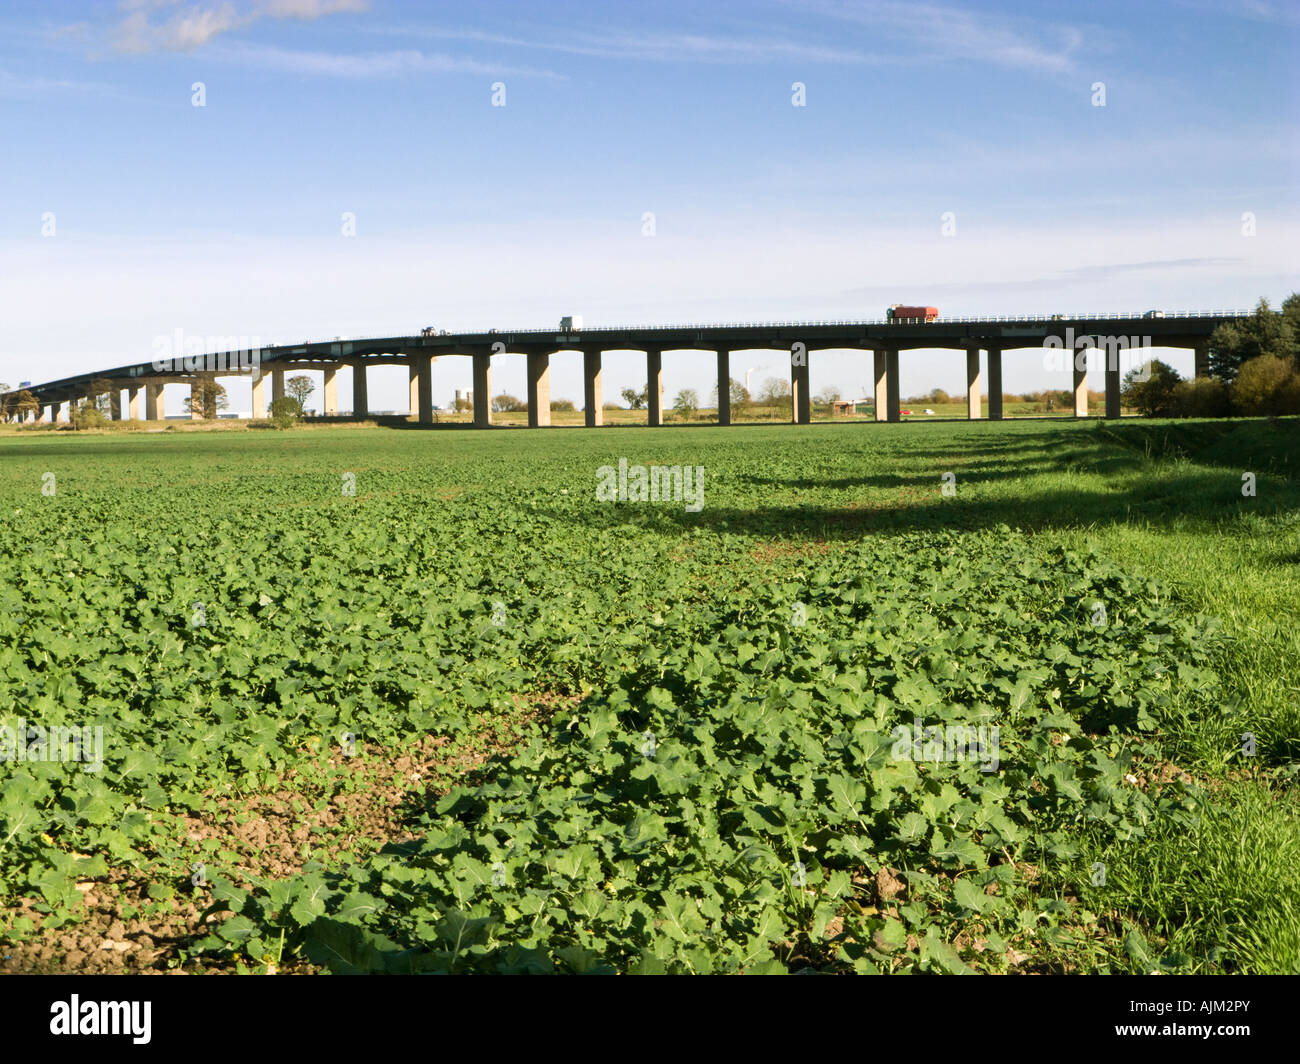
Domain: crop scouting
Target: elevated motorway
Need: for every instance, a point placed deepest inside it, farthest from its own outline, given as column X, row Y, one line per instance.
column 1121, row 336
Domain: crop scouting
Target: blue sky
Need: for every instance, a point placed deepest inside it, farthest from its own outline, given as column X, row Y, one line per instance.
column 226, row 219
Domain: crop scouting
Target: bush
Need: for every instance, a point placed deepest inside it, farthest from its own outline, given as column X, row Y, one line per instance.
column 1266, row 385
column 1154, row 396
column 86, row 415
column 563, row 404
column 1202, row 397
column 285, row 411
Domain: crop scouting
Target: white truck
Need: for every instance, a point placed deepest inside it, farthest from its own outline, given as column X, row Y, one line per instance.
column 571, row 324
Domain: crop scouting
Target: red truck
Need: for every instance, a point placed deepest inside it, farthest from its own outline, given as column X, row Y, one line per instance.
column 898, row 312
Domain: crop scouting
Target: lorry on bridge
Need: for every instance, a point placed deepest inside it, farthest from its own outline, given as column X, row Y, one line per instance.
column 571, row 324
column 899, row 312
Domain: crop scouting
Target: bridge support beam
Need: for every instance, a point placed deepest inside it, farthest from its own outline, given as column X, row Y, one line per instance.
column 360, row 397
column 995, row 383
column 277, row 384
column 893, row 408
column 413, row 386
column 1111, row 357
column 331, row 390
column 1201, row 361
column 539, row 390
column 153, row 402
column 133, row 402
column 482, row 389
column 593, row 411
column 115, row 404
column 421, row 373
column 974, row 398
column 724, row 386
column 800, row 400
column 880, row 371
column 654, row 388
column 1080, row 382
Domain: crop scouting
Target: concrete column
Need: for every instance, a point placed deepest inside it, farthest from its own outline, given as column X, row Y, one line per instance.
column 1111, row 358
column 800, row 400
column 331, row 390
column 891, row 384
column 196, row 406
column 1080, row 382
column 995, row 383
column 360, row 398
column 974, row 400
column 153, row 402
column 423, row 366
column 592, row 394
column 259, row 394
column 413, row 386
column 1201, row 360
column 277, row 384
column 880, row 366
column 539, row 390
column 115, row 404
column 482, row 389
column 133, row 402
column 654, row 369
column 724, row 387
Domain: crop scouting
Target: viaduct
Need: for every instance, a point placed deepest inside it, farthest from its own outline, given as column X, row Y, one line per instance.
column 1111, row 333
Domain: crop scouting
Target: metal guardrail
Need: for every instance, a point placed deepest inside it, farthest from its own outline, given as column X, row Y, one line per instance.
column 700, row 325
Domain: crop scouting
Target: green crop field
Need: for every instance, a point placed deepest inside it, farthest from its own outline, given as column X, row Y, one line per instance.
column 991, row 697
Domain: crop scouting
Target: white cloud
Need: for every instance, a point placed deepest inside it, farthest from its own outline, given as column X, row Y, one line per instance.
column 198, row 24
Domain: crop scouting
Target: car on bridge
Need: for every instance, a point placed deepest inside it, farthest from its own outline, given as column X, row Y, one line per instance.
column 1154, row 314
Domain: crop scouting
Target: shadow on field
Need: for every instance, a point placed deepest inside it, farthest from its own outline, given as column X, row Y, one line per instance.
column 1134, row 475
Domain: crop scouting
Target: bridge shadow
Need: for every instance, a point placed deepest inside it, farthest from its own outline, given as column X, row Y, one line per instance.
column 1038, row 481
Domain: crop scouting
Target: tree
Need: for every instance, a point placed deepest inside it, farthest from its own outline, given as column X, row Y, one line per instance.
column 636, row 400
column 285, row 411
column 1202, row 397
column 686, row 403
column 740, row 398
column 938, row 397
column 207, row 397
column 462, row 404
column 1151, row 393
column 776, row 393
column 300, row 388
column 829, row 395
column 504, row 403
column 26, row 404
column 85, row 414
column 565, row 405
column 1266, row 332
column 1266, row 385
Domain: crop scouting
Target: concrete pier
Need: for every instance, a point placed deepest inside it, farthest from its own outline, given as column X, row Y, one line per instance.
column 592, row 393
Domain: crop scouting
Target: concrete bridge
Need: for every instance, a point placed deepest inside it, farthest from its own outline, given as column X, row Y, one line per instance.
column 1112, row 334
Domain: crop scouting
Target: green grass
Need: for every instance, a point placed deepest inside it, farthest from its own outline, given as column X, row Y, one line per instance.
column 374, row 614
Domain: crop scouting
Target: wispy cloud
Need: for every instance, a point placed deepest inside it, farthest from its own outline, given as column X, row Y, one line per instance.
column 31, row 87
column 657, row 47
column 196, row 25
column 955, row 33
column 364, row 64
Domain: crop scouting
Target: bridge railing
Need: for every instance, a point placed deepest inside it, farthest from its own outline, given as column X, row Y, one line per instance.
column 699, row 326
